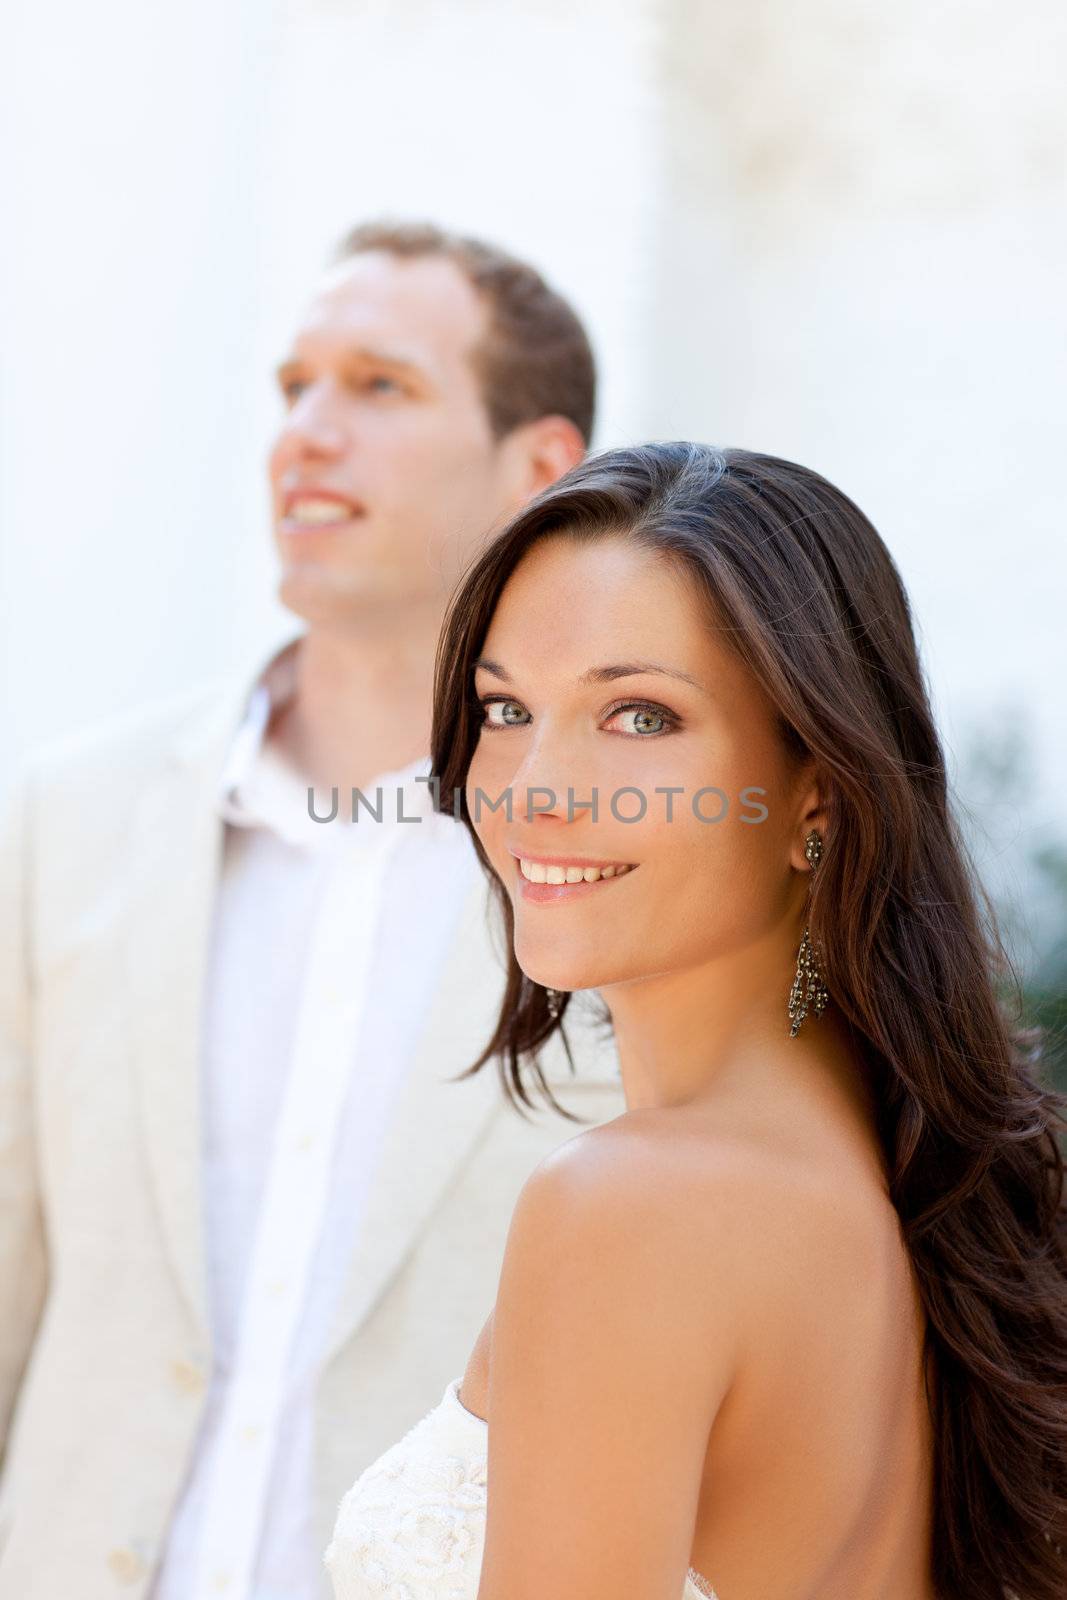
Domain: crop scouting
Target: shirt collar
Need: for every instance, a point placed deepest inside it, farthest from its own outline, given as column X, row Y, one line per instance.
column 259, row 788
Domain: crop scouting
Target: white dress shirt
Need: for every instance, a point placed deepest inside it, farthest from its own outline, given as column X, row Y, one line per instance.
column 326, row 947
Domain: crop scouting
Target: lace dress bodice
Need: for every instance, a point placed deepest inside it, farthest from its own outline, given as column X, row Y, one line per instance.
column 412, row 1526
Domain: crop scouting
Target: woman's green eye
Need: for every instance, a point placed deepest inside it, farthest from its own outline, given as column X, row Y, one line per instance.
column 511, row 713
column 642, row 719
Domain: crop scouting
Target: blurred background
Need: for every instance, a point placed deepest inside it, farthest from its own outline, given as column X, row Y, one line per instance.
column 831, row 230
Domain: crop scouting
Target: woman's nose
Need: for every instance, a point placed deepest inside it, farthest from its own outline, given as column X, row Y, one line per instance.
column 551, row 780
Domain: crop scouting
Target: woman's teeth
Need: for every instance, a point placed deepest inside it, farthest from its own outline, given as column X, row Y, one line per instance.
column 536, row 872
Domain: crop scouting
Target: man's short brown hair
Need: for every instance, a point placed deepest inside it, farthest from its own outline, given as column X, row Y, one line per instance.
column 536, row 360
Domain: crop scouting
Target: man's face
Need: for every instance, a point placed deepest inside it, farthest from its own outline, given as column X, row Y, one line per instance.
column 384, row 475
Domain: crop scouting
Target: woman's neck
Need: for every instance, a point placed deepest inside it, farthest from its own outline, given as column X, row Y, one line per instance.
column 718, row 1037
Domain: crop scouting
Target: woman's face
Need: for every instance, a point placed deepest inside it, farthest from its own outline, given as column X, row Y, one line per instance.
column 559, row 713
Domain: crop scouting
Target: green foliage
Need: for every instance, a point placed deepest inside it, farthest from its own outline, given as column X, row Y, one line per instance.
column 1045, row 990
column 1000, row 780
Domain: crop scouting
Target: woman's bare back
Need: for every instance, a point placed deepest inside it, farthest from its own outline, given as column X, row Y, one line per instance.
column 816, row 1481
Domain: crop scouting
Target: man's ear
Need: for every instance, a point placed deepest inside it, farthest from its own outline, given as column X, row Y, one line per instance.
column 537, row 453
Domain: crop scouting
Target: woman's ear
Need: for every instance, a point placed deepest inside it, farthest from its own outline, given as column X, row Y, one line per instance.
column 813, row 812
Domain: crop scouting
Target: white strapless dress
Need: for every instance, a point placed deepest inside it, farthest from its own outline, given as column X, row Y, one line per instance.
column 412, row 1526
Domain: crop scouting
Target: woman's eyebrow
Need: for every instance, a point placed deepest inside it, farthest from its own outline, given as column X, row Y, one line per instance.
column 605, row 674
column 634, row 669
column 490, row 666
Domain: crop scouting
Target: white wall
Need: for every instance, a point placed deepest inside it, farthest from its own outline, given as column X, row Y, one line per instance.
column 128, row 446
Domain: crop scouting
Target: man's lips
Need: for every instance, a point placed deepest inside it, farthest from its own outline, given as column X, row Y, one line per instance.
column 312, row 510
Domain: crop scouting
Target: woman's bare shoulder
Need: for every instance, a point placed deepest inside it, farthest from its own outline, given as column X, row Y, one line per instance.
column 669, row 1158
column 713, row 1231
column 736, row 1207
column 647, row 1202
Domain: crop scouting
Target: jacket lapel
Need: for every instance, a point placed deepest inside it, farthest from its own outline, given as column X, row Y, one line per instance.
column 176, row 841
column 434, row 1121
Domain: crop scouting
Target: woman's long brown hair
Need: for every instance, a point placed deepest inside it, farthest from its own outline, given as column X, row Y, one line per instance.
column 815, row 607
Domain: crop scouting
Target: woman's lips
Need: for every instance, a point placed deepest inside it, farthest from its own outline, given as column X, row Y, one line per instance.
column 559, row 893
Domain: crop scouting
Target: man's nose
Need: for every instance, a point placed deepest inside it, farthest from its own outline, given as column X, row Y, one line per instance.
column 314, row 426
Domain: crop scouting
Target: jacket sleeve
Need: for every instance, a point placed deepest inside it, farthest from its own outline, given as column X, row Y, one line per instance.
column 23, row 1260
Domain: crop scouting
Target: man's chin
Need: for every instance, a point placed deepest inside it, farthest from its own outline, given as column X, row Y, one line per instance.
column 323, row 597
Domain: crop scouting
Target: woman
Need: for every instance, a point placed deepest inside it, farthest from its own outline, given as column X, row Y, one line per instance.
column 795, row 1324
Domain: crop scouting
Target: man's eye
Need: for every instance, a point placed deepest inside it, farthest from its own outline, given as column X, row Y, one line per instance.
column 292, row 388
column 382, row 384
column 507, row 708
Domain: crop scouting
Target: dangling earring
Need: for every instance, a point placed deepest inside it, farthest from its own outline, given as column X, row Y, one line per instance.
column 808, row 987
column 554, row 999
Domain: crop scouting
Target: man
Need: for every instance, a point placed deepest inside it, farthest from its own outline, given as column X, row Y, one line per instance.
column 249, row 1226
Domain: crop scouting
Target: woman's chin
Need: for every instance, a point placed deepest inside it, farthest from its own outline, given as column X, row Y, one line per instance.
column 554, row 976
column 556, row 968
column 547, row 981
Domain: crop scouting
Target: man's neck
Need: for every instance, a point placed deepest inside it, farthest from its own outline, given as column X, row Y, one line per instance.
column 363, row 702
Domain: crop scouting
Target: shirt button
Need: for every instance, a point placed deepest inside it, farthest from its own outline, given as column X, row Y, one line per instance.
column 188, row 1377
column 126, row 1565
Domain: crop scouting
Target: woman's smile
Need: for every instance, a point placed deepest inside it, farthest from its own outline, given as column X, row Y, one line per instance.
column 550, row 880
